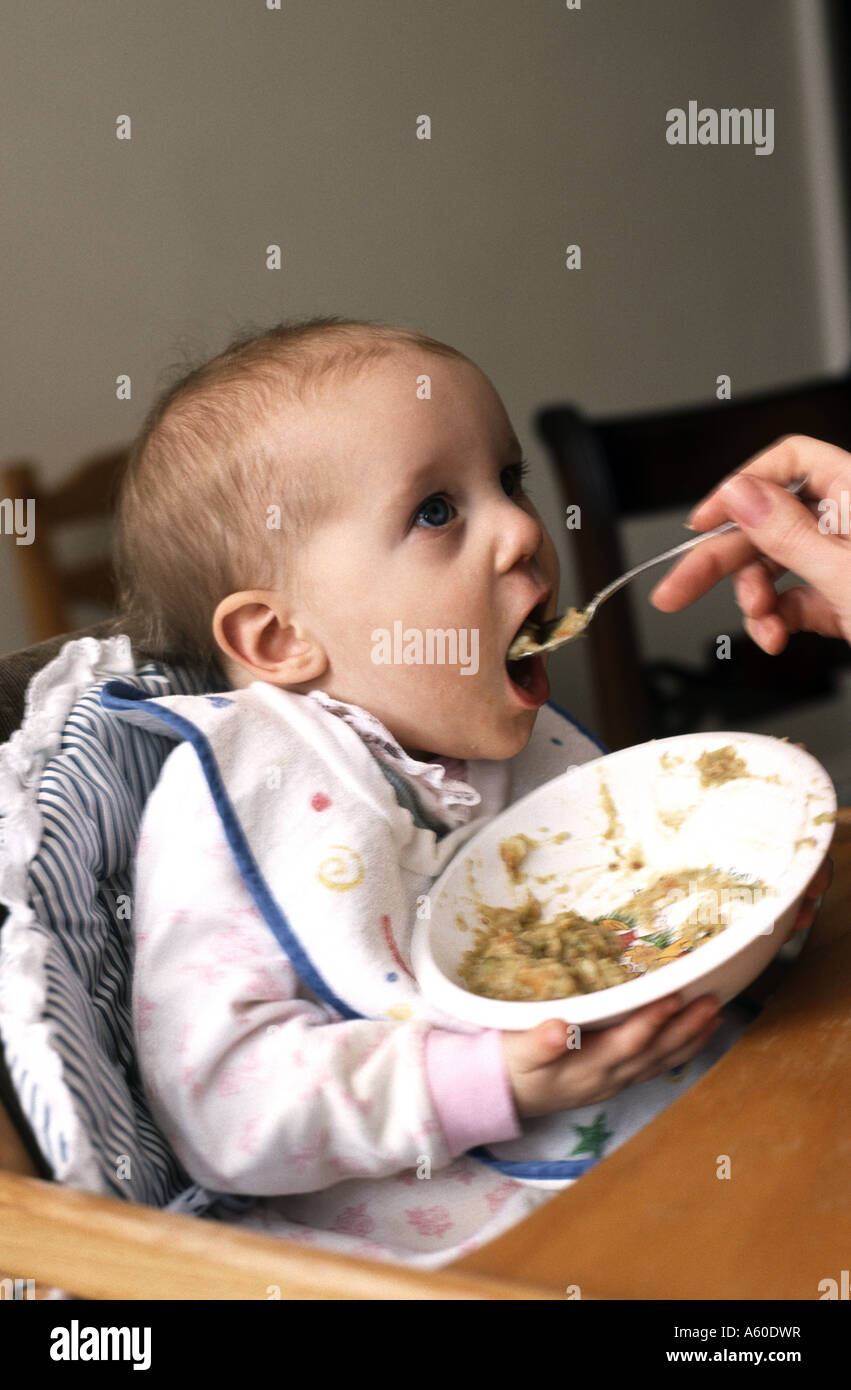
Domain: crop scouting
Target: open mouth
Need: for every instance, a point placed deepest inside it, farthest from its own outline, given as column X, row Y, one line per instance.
column 528, row 671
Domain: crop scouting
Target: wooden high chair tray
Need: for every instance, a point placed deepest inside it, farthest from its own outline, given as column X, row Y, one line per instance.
column 651, row 1221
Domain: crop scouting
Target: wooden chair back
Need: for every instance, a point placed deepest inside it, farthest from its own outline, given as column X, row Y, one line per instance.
column 50, row 586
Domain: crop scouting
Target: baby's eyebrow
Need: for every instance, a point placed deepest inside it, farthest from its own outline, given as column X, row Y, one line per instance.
column 417, row 479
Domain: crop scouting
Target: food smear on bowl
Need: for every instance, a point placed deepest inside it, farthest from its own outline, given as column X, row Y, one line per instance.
column 806, row 842
column 716, row 766
column 518, row 955
column 513, row 851
column 613, row 829
column 719, row 765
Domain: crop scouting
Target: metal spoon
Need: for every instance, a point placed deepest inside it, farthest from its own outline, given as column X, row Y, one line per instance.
column 545, row 637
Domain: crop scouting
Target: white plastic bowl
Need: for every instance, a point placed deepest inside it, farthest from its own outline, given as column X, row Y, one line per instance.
column 774, row 825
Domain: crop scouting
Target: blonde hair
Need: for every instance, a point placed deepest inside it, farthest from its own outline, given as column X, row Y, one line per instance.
column 190, row 525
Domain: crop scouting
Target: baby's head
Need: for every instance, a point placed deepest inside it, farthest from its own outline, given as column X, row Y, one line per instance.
column 337, row 505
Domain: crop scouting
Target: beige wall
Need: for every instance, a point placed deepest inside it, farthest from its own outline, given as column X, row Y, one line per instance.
column 298, row 127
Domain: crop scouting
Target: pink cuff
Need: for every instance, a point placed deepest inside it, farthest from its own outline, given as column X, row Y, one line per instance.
column 469, row 1085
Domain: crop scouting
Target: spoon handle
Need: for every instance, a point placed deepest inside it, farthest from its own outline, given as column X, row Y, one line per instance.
column 656, row 560
column 670, row 555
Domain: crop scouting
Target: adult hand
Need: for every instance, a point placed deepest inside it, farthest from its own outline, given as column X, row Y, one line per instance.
column 778, row 533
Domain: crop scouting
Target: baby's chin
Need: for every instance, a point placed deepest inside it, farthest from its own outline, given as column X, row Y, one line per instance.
column 475, row 720
column 494, row 744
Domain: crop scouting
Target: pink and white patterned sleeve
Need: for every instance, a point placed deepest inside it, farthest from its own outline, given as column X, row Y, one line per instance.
column 260, row 1087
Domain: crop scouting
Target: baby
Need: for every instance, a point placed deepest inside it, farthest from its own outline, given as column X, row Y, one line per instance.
column 288, row 504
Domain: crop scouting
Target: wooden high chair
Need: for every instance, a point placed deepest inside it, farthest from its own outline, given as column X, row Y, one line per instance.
column 651, row 1221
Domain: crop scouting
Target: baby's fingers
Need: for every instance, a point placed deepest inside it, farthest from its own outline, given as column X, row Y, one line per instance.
column 680, row 1055
column 652, row 1034
column 639, row 1032
column 811, row 902
column 822, row 880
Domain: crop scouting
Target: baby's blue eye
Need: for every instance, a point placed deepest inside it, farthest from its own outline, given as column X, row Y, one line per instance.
column 438, row 502
column 514, row 473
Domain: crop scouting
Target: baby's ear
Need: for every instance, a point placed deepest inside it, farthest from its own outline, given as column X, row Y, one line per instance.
column 238, row 624
column 257, row 630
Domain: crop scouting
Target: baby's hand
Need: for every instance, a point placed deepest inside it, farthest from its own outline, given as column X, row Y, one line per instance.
column 546, row 1077
column 813, row 896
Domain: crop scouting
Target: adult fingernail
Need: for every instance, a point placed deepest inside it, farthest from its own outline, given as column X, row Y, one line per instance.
column 747, row 500
column 691, row 522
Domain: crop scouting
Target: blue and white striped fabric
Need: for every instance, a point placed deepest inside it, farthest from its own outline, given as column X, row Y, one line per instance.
column 73, row 782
